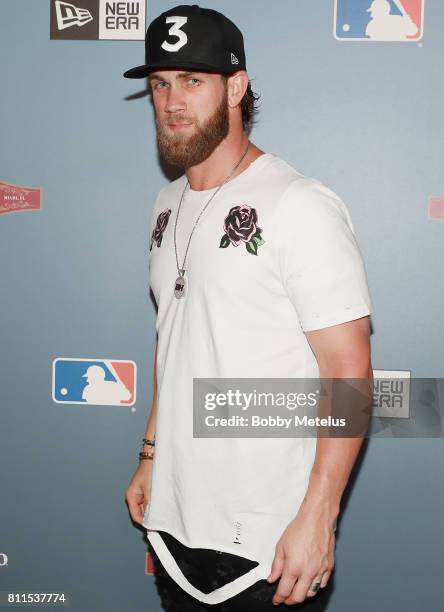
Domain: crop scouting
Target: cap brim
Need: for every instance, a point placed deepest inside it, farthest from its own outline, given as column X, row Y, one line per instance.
column 139, row 72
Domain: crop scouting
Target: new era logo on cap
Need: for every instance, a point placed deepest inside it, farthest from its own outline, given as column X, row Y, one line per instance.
column 234, row 59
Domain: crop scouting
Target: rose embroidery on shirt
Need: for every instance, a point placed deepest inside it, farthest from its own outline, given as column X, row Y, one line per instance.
column 161, row 223
column 240, row 227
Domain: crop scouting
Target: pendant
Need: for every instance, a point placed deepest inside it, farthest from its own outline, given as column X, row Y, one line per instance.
column 179, row 286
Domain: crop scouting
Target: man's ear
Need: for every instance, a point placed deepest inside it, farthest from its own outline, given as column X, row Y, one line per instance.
column 237, row 84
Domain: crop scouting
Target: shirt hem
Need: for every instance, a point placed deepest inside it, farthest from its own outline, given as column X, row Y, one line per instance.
column 218, row 595
column 343, row 316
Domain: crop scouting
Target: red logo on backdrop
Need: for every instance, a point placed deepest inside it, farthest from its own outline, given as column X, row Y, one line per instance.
column 14, row 198
column 436, row 207
column 149, row 565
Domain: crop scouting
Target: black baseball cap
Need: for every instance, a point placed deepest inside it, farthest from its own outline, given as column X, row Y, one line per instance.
column 191, row 37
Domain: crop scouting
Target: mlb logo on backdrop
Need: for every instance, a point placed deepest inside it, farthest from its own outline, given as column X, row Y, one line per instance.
column 94, row 381
column 98, row 20
column 373, row 20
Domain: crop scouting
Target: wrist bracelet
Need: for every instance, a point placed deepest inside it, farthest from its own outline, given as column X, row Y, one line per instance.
column 143, row 455
column 149, row 442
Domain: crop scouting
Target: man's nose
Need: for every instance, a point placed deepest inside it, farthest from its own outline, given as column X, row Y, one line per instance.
column 175, row 100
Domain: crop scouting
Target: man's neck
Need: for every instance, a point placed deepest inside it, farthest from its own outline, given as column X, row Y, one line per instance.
column 215, row 169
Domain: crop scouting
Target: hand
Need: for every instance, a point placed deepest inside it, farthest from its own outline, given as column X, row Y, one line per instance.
column 138, row 492
column 304, row 555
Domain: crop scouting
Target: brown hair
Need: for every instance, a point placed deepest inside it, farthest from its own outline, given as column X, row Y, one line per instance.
column 248, row 104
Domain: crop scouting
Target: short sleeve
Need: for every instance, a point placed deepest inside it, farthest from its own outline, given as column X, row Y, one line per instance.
column 320, row 263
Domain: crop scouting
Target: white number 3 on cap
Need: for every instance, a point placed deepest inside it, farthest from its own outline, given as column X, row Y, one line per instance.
column 175, row 30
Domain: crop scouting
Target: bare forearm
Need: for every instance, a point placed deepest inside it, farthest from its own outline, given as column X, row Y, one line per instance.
column 151, row 422
column 150, row 430
column 335, row 458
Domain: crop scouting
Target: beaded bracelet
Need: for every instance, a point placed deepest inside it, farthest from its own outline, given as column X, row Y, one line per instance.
column 149, row 442
column 150, row 453
column 143, row 456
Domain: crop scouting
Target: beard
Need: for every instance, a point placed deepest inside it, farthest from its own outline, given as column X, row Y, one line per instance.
column 186, row 151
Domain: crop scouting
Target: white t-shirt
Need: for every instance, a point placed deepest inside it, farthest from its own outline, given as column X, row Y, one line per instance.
column 243, row 316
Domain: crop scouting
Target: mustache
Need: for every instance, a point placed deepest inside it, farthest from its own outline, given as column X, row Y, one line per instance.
column 178, row 119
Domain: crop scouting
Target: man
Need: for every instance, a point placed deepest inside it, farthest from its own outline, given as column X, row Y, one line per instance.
column 256, row 274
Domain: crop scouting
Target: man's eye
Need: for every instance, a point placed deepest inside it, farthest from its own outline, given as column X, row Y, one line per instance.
column 159, row 85
column 194, row 81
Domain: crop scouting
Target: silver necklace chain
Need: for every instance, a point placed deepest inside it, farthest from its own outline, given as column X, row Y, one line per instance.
column 181, row 270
